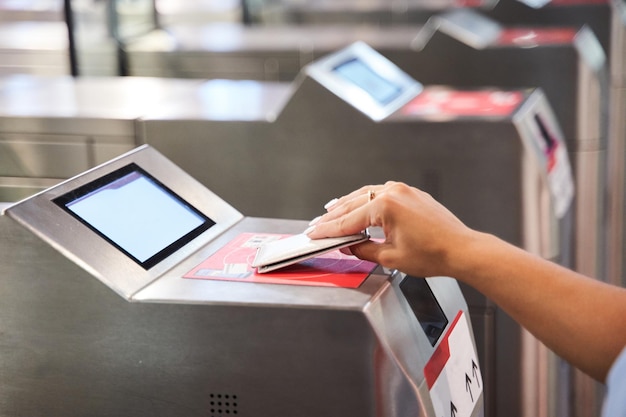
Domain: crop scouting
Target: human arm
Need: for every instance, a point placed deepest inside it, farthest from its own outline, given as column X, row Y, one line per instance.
column 581, row 319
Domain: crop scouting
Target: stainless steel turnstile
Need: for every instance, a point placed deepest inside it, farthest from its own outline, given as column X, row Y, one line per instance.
column 55, row 127
column 31, row 11
column 568, row 64
column 577, row 13
column 376, row 12
column 603, row 17
column 39, row 48
column 606, row 19
column 237, row 51
column 119, row 338
column 282, row 148
column 278, row 150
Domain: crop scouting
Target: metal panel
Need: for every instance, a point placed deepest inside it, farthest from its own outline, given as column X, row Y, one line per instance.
column 92, row 252
column 187, row 346
column 237, row 51
column 320, row 147
column 568, row 64
column 34, row 48
column 57, row 127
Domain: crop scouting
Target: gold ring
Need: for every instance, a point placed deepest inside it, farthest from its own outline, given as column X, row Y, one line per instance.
column 370, row 195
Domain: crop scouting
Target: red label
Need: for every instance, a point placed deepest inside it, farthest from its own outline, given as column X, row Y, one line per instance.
column 536, row 36
column 232, row 263
column 440, row 357
column 442, row 102
column 437, row 362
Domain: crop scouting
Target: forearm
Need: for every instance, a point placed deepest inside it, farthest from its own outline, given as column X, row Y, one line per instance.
column 581, row 319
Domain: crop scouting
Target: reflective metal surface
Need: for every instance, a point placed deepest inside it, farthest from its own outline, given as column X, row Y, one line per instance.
column 39, row 48
column 59, row 147
column 401, row 84
column 354, row 11
column 16, row 188
column 171, row 345
column 319, row 147
column 31, row 10
column 568, row 64
column 236, row 51
column 56, row 127
column 595, row 14
column 98, row 256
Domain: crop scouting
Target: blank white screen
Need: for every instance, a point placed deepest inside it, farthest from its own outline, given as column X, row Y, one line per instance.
column 137, row 214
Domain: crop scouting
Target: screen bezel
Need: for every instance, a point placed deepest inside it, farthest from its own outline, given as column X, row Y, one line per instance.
column 324, row 72
column 425, row 308
column 383, row 101
column 64, row 200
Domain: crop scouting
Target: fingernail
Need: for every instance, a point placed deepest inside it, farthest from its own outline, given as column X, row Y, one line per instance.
column 308, row 230
column 315, row 220
column 331, row 203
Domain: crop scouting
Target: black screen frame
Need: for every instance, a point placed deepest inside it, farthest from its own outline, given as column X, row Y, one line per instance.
column 425, row 307
column 64, row 200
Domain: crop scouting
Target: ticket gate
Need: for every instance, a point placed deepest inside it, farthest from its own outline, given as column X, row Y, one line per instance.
column 56, row 127
column 135, row 325
column 377, row 12
column 606, row 18
column 568, row 64
column 34, row 48
column 354, row 118
column 36, row 11
column 237, row 51
column 593, row 13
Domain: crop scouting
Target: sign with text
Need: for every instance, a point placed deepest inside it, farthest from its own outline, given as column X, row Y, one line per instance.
column 452, row 373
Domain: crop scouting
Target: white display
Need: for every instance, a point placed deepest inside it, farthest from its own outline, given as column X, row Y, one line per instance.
column 136, row 214
column 381, row 89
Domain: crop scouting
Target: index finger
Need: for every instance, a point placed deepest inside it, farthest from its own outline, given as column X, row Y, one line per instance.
column 350, row 223
column 356, row 194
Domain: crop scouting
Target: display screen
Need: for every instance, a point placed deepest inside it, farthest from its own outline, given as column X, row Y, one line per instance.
column 136, row 213
column 360, row 74
column 425, row 307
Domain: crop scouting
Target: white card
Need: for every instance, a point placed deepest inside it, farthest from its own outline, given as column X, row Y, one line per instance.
column 288, row 251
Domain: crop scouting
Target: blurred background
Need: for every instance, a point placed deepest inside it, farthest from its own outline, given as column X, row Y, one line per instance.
column 83, row 81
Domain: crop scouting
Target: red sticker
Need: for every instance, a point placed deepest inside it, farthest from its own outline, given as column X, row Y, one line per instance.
column 526, row 37
column 441, row 102
column 440, row 357
column 232, row 263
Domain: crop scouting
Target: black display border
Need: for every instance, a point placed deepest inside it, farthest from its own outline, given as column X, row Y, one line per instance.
column 420, row 285
column 80, row 192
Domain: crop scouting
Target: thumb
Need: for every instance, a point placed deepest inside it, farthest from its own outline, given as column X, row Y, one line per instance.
column 368, row 251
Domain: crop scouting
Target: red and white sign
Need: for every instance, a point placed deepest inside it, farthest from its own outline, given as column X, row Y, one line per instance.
column 560, row 178
column 453, row 374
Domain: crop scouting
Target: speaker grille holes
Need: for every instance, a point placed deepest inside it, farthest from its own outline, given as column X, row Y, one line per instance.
column 223, row 405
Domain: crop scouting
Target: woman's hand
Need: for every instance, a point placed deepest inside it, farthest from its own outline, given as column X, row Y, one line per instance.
column 421, row 235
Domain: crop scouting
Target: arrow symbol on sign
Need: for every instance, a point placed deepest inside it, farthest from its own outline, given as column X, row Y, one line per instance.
column 452, row 409
column 475, row 372
column 468, row 386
